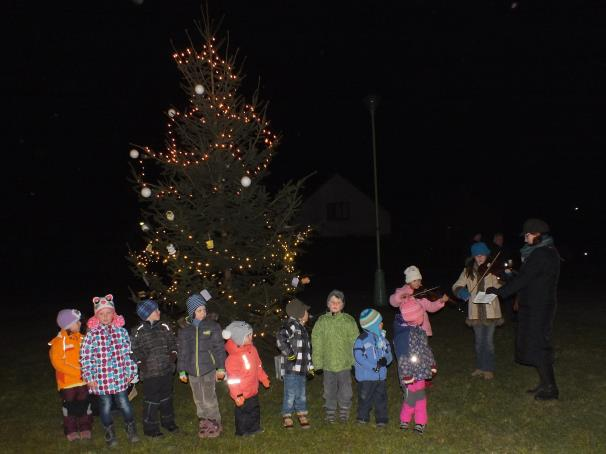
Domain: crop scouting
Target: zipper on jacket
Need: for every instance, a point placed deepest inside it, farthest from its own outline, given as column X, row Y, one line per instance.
column 197, row 353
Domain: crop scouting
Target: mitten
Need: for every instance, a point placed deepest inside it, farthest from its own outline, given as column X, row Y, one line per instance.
column 183, row 376
column 239, row 400
column 463, row 294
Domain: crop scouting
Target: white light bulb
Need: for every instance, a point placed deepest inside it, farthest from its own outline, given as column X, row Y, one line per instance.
column 172, row 112
column 199, row 88
column 146, row 192
column 134, row 153
column 246, row 181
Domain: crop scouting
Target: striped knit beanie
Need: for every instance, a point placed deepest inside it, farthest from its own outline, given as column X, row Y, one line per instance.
column 194, row 302
column 412, row 312
column 370, row 320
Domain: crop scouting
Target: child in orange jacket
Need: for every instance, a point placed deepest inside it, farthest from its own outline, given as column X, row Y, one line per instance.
column 244, row 372
column 65, row 357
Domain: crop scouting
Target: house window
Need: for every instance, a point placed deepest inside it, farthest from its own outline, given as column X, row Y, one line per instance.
column 337, row 211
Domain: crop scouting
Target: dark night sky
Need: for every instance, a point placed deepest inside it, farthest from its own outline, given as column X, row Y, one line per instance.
column 500, row 106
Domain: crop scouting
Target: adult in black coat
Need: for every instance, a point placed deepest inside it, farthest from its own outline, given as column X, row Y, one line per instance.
column 536, row 285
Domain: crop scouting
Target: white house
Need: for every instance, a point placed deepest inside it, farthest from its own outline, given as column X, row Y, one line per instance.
column 338, row 208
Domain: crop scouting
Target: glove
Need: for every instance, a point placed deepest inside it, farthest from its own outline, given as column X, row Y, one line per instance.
column 463, row 294
column 382, row 362
column 492, row 290
column 265, row 383
column 292, row 357
column 239, row 400
column 183, row 377
column 408, row 380
column 311, row 372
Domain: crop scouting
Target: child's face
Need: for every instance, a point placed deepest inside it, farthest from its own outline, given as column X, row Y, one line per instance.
column 335, row 305
column 480, row 259
column 154, row 316
column 416, row 284
column 74, row 327
column 305, row 318
column 200, row 313
column 248, row 339
column 105, row 315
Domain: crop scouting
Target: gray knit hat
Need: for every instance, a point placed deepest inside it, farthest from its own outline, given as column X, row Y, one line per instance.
column 237, row 332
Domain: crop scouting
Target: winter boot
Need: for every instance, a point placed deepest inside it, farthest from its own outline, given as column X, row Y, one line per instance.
column 167, row 414
column 303, row 420
column 110, row 436
column 287, row 422
column 549, row 390
column 331, row 416
column 151, row 425
column 203, row 428
column 214, row 429
column 419, row 429
column 72, row 436
column 343, row 414
column 131, row 432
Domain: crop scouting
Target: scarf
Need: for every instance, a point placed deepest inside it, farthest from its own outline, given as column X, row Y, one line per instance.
column 527, row 249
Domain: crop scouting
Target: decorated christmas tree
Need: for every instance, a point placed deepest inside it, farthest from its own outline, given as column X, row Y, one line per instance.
column 207, row 220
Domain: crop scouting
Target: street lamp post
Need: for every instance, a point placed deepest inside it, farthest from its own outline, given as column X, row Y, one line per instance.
column 380, row 298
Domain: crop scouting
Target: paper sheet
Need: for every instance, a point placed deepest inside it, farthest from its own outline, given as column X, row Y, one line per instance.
column 483, row 298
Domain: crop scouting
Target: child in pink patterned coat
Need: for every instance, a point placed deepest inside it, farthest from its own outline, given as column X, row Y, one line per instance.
column 404, row 294
column 107, row 367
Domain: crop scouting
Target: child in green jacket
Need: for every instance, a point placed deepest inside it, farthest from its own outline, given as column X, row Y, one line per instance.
column 332, row 340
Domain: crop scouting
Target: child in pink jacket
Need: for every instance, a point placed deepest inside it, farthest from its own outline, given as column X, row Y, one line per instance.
column 404, row 294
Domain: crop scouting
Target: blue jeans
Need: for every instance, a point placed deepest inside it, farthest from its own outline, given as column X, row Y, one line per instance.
column 294, row 395
column 484, row 346
column 122, row 402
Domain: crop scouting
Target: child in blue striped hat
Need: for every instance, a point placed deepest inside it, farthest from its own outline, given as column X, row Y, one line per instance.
column 372, row 355
column 202, row 363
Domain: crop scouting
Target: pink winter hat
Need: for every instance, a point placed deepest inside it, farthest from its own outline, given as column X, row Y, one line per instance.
column 412, row 312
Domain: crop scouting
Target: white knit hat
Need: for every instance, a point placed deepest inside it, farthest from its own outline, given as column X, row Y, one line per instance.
column 412, row 273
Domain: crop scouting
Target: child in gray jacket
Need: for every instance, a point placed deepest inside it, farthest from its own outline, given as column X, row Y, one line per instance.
column 202, row 363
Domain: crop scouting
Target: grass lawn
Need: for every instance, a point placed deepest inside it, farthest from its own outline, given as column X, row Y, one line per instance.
column 465, row 414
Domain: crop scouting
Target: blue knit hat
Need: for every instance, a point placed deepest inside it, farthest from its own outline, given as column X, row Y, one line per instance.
column 194, row 302
column 145, row 308
column 370, row 320
column 479, row 248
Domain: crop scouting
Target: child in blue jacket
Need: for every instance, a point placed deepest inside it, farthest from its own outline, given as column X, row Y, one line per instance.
column 372, row 355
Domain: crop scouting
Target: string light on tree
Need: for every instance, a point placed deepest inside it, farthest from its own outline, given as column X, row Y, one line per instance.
column 134, row 153
column 212, row 142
